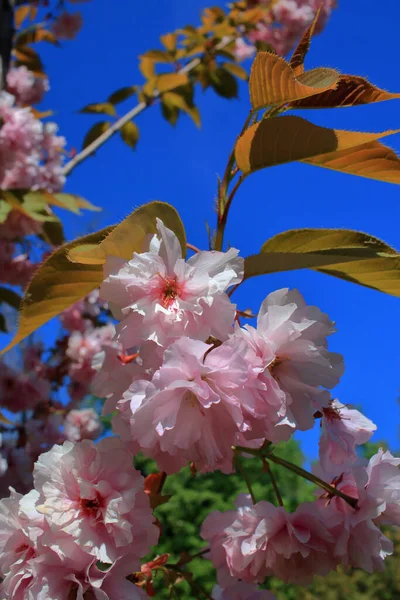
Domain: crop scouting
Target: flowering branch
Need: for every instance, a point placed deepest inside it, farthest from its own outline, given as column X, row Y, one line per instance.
column 353, row 502
column 132, row 114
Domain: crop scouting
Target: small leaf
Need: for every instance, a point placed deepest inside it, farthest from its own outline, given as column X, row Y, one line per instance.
column 170, row 81
column 53, row 233
column 122, row 94
column 102, row 108
column 169, row 41
column 158, row 56
column 5, row 208
column 236, row 70
column 21, row 13
column 34, row 35
column 182, row 99
column 30, row 58
column 95, row 131
column 224, row 83
column 285, row 139
column 10, row 297
column 146, row 67
column 272, row 81
column 56, row 285
column 373, row 160
column 130, row 134
column 351, row 90
column 128, row 237
column 31, row 204
column 169, row 111
column 350, row 255
column 297, row 60
column 71, row 202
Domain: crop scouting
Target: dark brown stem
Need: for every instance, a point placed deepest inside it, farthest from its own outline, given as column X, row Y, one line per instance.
column 245, row 477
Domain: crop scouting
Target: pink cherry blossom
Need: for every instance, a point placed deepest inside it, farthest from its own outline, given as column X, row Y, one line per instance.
column 288, row 354
column 191, row 408
column 359, row 542
column 93, row 494
column 30, row 151
column 25, row 86
column 21, row 390
column 266, row 540
column 342, row 429
column 384, row 483
column 287, row 20
column 116, row 371
column 20, row 526
column 17, row 226
column 14, row 270
column 240, row 590
column 65, row 572
column 80, row 315
column 82, row 348
column 161, row 297
column 82, row 424
column 242, row 50
column 67, row 25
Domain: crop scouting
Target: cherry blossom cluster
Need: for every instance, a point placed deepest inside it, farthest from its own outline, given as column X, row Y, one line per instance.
column 29, row 388
column 81, row 531
column 30, row 151
column 285, row 22
column 195, row 386
column 25, row 86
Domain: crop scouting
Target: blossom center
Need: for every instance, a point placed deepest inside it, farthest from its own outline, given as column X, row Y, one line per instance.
column 272, row 367
column 169, row 291
column 90, row 506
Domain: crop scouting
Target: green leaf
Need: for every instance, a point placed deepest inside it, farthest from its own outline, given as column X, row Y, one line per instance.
column 285, row 139
column 224, row 83
column 32, row 204
column 53, row 233
column 128, row 237
column 130, row 134
column 351, row 255
column 122, row 94
column 56, row 285
column 272, row 81
column 10, row 297
column 182, row 99
column 5, row 208
column 171, row 81
column 72, row 202
column 95, row 132
column 236, row 70
column 102, row 108
column 58, row 282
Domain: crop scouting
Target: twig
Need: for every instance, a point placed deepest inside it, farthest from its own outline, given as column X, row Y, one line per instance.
column 268, row 470
column 134, row 112
column 243, row 473
column 332, row 491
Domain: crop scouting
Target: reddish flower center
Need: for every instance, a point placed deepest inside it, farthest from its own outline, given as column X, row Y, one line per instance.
column 169, row 291
column 272, row 367
column 90, row 505
column 332, row 413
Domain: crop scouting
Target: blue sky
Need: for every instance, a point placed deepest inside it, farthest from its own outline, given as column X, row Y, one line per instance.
column 180, row 166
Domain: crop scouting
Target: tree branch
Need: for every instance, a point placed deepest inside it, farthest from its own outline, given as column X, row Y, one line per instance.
column 134, row 112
